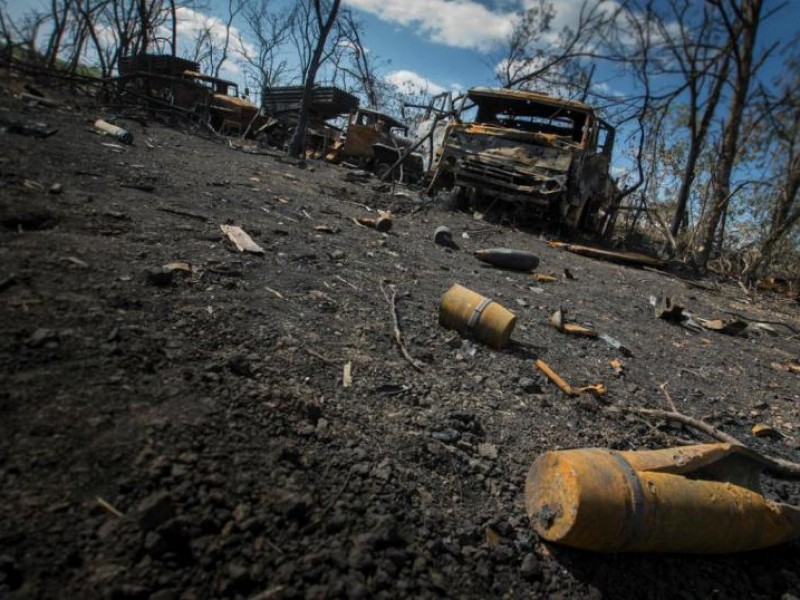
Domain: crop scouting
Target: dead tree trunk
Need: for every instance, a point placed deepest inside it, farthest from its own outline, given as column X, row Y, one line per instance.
column 297, row 145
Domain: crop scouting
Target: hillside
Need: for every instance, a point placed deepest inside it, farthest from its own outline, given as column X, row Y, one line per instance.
column 187, row 434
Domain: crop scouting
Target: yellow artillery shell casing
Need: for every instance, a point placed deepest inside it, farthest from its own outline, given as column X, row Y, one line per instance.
column 471, row 314
column 595, row 499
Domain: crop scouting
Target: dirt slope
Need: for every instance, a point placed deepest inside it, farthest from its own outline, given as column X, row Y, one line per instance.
column 208, row 408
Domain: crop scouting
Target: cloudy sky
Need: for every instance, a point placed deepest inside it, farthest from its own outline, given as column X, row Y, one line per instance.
column 441, row 44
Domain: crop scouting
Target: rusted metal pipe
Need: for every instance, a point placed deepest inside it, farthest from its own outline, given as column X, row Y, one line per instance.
column 122, row 135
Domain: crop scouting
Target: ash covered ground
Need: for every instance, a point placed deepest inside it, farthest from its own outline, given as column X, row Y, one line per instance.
column 188, row 434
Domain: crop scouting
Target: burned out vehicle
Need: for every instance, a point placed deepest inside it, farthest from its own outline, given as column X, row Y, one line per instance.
column 544, row 154
column 375, row 141
column 282, row 107
column 178, row 82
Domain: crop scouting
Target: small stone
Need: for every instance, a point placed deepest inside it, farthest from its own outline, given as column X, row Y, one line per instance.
column 159, row 277
column 530, row 385
column 238, row 573
column 42, row 336
column 337, row 255
column 154, row 544
column 155, row 510
column 448, row 436
column 128, row 591
column 487, row 451
column 531, row 569
column 56, row 189
column 240, row 365
column 10, row 573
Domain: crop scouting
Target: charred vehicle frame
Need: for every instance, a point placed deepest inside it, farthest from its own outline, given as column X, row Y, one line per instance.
column 544, row 154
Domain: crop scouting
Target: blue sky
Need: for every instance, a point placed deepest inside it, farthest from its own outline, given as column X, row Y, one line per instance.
column 454, row 43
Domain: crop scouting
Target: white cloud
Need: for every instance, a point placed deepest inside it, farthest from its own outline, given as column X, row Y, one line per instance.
column 192, row 23
column 412, row 84
column 458, row 23
column 469, row 23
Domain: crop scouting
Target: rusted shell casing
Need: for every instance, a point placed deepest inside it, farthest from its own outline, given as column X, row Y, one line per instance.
column 474, row 315
column 382, row 223
column 121, row 134
column 505, row 258
column 607, row 501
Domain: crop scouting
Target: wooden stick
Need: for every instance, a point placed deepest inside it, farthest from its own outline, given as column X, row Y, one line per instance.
column 777, row 466
column 324, row 359
column 108, row 507
column 398, row 334
column 183, row 213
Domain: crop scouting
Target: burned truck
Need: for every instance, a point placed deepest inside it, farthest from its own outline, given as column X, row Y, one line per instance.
column 547, row 156
column 375, row 141
column 177, row 82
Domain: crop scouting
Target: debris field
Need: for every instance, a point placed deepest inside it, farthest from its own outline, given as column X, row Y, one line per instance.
column 189, row 413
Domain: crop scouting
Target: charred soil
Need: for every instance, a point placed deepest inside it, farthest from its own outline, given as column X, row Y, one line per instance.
column 188, row 432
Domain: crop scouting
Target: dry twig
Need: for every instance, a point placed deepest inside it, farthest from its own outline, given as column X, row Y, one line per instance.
column 775, row 465
column 398, row 334
column 325, row 359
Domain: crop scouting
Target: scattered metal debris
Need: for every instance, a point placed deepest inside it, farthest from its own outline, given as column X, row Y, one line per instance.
column 597, row 389
column 444, row 237
column 474, row 315
column 18, row 126
column 558, row 321
column 381, row 223
column 505, row 258
column 628, row 258
column 123, row 135
column 700, row 499
column 543, row 278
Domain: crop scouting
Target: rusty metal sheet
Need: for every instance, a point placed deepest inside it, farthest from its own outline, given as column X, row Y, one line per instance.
column 628, row 258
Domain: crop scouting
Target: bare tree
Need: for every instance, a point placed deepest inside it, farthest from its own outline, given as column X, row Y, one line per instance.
column 325, row 14
column 269, row 31
column 234, row 8
column 742, row 20
column 536, row 55
column 782, row 141
column 704, row 69
column 60, row 13
column 354, row 62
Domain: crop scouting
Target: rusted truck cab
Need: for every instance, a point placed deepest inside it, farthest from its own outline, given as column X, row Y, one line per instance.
column 178, row 82
column 376, row 140
column 544, row 154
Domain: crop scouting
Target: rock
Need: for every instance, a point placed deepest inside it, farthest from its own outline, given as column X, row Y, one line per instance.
column 239, row 575
column 42, row 336
column 27, row 217
column 529, row 385
column 56, row 188
column 10, row 573
column 128, row 591
column 296, row 506
column 155, row 510
column 337, row 255
column 154, row 544
column 160, row 277
column 448, row 436
column 487, row 451
column 531, row 569
column 240, row 365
